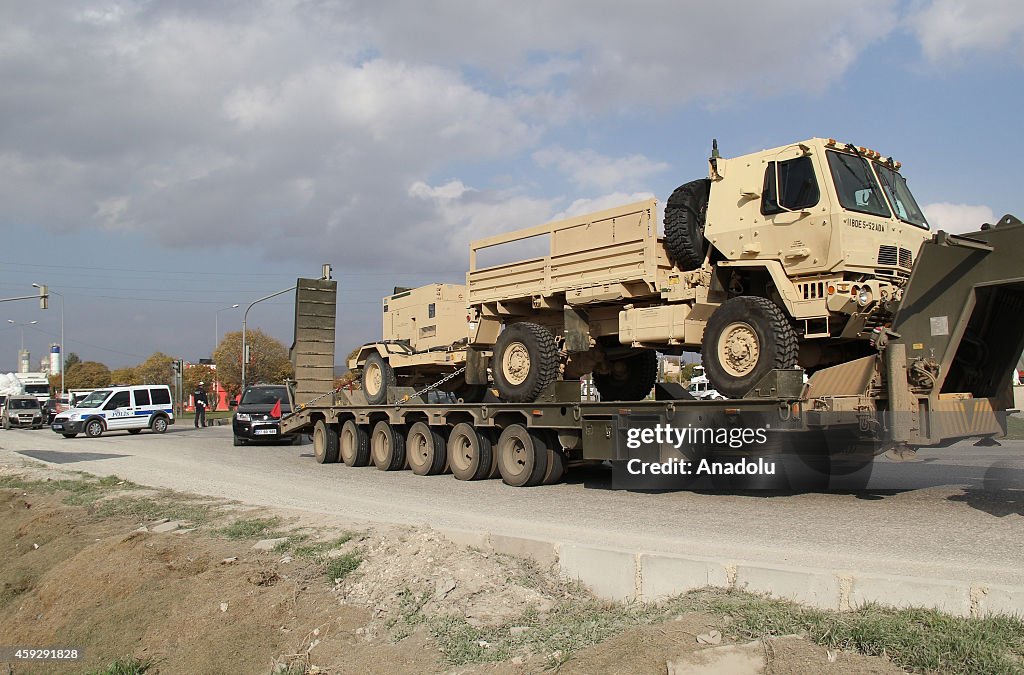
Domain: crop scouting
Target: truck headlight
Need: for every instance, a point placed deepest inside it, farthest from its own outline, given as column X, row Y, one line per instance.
column 242, row 417
column 864, row 296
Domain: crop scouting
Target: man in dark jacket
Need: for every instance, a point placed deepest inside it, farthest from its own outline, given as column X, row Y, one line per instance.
column 199, row 399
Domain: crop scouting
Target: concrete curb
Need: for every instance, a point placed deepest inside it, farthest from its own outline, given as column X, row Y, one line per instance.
column 619, row 574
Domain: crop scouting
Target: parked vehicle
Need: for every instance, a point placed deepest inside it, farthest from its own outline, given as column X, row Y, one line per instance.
column 258, row 415
column 53, row 407
column 24, row 412
column 130, row 409
column 35, row 384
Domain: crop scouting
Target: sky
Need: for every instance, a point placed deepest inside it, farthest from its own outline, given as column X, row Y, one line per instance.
column 163, row 161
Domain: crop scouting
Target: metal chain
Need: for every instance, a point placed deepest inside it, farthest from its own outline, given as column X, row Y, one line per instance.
column 429, row 387
column 314, row 400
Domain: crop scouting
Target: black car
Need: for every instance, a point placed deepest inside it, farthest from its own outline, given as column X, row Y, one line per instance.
column 256, row 418
column 52, row 407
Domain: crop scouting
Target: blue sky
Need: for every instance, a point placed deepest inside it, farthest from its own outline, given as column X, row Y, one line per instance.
column 162, row 161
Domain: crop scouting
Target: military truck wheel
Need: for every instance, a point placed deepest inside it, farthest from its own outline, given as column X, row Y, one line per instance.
column 425, row 449
column 325, row 443
column 525, row 361
column 471, row 453
column 354, row 442
column 557, row 460
column 745, row 338
column 378, row 378
column 522, row 456
column 470, row 393
column 387, row 447
column 685, row 214
column 629, row 379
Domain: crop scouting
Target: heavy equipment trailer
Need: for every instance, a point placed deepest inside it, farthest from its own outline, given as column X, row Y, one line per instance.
column 941, row 372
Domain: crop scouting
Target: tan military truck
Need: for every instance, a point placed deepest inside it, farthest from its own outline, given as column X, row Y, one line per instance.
column 782, row 257
column 425, row 334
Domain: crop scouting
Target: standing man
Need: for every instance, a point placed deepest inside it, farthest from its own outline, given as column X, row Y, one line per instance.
column 199, row 399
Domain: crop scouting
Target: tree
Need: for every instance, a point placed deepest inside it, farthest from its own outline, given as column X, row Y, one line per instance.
column 157, row 369
column 268, row 361
column 87, row 375
column 70, row 360
column 125, row 376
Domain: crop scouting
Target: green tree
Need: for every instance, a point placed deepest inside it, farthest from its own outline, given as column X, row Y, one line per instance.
column 87, row 375
column 71, row 359
column 125, row 376
column 157, row 369
column 268, row 361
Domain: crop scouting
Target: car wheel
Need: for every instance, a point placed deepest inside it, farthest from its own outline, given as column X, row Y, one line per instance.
column 159, row 425
column 236, row 441
column 135, row 431
column 94, row 428
column 69, row 435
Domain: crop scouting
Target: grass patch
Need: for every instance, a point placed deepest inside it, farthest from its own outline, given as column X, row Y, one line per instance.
column 342, row 566
column 915, row 639
column 318, row 549
column 80, row 492
column 251, row 528
column 171, row 506
column 127, row 666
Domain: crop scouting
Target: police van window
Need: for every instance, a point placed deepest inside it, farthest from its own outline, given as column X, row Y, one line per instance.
column 856, row 185
column 141, row 396
column 160, row 396
column 796, row 181
column 122, row 399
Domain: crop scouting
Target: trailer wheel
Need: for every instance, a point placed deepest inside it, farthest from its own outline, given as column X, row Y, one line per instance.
column 354, row 444
column 745, row 338
column 471, row 454
column 685, row 214
column 556, row 460
column 425, row 449
column 522, row 456
column 525, row 361
column 325, row 443
column 629, row 379
column 378, row 377
column 387, row 447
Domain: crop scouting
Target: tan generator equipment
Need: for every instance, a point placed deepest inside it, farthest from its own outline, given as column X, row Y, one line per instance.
column 793, row 256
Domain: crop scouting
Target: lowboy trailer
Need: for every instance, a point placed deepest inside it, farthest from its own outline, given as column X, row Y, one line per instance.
column 940, row 373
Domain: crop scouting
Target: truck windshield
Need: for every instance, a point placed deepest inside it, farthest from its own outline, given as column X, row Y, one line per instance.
column 856, row 185
column 903, row 203
column 94, row 399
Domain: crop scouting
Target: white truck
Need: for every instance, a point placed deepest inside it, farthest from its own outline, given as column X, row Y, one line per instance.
column 35, row 384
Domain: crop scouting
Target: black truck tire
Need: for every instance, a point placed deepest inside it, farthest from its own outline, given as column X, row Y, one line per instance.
column 471, row 454
column 426, row 450
column 523, row 456
column 685, row 214
column 354, row 444
column 525, row 361
column 325, row 442
column 387, row 446
column 629, row 379
column 746, row 338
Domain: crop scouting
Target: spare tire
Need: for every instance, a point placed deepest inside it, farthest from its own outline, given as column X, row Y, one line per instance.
column 525, row 361
column 685, row 214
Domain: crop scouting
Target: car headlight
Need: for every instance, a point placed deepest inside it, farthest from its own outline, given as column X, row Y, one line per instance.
column 242, row 417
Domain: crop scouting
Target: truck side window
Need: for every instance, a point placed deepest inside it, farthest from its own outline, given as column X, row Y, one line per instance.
column 122, row 399
column 797, row 182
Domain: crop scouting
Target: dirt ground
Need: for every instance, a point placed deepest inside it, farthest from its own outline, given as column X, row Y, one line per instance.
column 195, row 600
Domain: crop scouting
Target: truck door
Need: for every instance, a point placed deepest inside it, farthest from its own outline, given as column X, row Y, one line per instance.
column 796, row 207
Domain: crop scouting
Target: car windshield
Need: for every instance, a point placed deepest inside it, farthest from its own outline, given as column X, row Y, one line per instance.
column 264, row 396
column 24, row 403
column 903, row 203
column 94, row 399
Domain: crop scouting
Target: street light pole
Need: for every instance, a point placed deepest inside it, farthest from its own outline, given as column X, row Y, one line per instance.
column 61, row 295
column 245, row 317
column 22, row 326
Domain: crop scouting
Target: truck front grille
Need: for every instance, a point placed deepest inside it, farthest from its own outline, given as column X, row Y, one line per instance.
column 890, row 255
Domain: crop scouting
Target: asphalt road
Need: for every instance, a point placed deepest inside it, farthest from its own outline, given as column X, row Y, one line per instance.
column 957, row 514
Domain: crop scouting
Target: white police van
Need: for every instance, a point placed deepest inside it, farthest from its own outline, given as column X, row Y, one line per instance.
column 132, row 409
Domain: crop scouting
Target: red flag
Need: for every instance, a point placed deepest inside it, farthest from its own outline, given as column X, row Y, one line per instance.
column 276, row 410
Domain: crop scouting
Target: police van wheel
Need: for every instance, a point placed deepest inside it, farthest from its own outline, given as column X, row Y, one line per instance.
column 159, row 425
column 94, row 428
column 135, row 431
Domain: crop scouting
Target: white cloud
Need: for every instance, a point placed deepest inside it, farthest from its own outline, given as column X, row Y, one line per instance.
column 589, row 169
column 950, row 29
column 958, row 218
